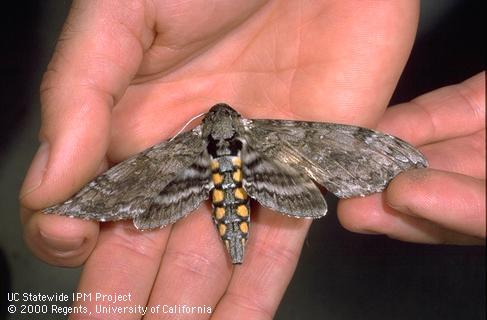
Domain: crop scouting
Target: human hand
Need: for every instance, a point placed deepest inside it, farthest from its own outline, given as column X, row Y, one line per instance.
column 446, row 202
column 122, row 69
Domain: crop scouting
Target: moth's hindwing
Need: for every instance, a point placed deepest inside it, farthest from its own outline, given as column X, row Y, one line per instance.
column 180, row 197
column 348, row 160
column 129, row 188
column 280, row 187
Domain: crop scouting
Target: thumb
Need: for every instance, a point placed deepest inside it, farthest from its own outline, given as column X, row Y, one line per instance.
column 452, row 200
column 98, row 54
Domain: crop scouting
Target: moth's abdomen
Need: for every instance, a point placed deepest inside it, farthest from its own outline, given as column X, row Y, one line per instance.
column 231, row 211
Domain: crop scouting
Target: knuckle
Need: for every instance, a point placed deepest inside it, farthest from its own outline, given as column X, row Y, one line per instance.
column 249, row 306
column 279, row 253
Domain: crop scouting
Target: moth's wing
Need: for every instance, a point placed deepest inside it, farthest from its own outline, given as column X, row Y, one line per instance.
column 129, row 188
column 180, row 197
column 348, row 160
column 280, row 187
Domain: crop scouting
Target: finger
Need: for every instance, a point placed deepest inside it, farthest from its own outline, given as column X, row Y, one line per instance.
column 195, row 269
column 464, row 155
column 452, row 111
column 93, row 64
column 452, row 200
column 124, row 262
column 371, row 215
column 257, row 286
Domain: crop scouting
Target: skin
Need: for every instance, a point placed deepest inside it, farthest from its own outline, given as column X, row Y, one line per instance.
column 128, row 74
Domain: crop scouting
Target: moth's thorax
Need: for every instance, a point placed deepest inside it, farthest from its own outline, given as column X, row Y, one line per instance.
column 221, row 122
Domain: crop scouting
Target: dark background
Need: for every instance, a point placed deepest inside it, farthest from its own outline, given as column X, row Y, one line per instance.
column 341, row 275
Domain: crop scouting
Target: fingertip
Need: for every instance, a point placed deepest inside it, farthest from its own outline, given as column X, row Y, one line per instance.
column 405, row 189
column 59, row 240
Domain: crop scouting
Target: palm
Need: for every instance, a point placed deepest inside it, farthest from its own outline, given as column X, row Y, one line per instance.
column 263, row 59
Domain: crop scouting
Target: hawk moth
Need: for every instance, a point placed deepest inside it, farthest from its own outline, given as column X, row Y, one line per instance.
column 231, row 159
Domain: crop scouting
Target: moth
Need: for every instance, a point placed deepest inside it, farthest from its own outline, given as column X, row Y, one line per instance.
column 232, row 159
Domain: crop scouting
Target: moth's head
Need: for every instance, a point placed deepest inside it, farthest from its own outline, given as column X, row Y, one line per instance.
column 222, row 110
column 221, row 121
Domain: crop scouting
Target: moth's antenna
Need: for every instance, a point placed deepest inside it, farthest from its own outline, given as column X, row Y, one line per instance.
column 187, row 124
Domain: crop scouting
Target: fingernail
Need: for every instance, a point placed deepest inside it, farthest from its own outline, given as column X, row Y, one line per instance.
column 61, row 245
column 36, row 172
column 371, row 232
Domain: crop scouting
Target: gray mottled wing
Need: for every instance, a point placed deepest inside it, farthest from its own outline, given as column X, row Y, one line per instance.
column 180, row 197
column 348, row 160
column 128, row 189
column 280, row 187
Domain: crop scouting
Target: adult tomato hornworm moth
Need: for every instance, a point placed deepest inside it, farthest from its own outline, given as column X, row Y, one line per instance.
column 229, row 159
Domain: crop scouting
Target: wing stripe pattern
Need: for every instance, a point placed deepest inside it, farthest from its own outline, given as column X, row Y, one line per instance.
column 280, row 187
column 180, row 197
